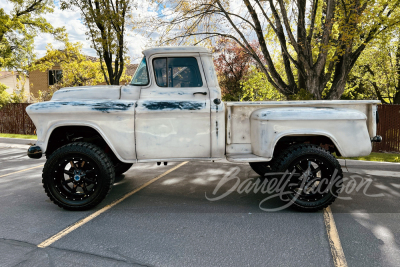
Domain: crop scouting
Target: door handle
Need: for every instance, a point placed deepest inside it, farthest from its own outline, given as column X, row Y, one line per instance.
column 201, row 93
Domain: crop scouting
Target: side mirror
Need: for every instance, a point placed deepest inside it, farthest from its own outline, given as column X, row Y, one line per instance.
column 217, row 101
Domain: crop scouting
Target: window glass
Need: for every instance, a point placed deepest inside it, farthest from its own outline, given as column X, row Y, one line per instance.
column 181, row 72
column 141, row 76
column 55, row 76
column 160, row 71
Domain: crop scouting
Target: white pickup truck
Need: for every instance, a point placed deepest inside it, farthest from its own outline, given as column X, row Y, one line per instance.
column 172, row 111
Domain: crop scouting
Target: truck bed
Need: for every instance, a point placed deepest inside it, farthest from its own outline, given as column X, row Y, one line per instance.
column 238, row 114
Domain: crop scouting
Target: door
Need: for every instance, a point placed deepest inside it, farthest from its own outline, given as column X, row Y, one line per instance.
column 173, row 113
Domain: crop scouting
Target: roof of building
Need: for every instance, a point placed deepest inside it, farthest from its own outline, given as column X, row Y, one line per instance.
column 5, row 74
column 130, row 69
column 175, row 49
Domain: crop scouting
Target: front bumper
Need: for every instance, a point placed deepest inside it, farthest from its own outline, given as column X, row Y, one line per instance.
column 376, row 139
column 34, row 152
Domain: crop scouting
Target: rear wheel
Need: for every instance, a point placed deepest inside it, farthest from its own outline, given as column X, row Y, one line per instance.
column 315, row 176
column 78, row 176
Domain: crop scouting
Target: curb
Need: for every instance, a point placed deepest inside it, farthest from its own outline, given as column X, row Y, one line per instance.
column 18, row 141
column 7, row 145
column 375, row 162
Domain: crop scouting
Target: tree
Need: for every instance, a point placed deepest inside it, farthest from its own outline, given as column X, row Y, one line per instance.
column 377, row 72
column 4, row 96
column 77, row 68
column 256, row 87
column 317, row 43
column 18, row 29
column 232, row 64
column 105, row 20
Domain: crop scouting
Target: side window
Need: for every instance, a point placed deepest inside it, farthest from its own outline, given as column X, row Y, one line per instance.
column 177, row 72
column 141, row 76
column 160, row 71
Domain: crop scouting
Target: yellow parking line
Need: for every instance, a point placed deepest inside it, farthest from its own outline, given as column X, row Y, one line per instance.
column 21, row 170
column 78, row 224
column 339, row 259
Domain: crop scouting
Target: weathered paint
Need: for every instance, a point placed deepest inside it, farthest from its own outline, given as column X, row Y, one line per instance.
column 241, row 112
column 102, row 106
column 172, row 105
column 113, row 120
column 150, row 123
column 101, row 92
column 346, row 128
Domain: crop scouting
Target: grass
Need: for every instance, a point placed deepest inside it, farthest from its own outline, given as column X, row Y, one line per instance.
column 374, row 156
column 22, row 136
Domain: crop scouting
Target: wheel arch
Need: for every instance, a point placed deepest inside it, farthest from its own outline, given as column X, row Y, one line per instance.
column 312, row 137
column 57, row 130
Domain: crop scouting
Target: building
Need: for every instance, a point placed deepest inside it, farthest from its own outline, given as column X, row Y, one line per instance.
column 41, row 80
column 15, row 81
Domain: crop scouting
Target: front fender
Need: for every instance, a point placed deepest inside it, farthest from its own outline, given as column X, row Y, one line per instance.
column 346, row 128
column 113, row 120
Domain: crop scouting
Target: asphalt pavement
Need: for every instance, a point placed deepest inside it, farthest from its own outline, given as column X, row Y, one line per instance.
column 175, row 221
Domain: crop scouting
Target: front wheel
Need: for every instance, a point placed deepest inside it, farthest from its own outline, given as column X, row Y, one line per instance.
column 78, row 176
column 314, row 176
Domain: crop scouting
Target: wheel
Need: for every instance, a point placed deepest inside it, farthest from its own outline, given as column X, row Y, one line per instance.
column 315, row 176
column 261, row 168
column 78, row 176
column 122, row 167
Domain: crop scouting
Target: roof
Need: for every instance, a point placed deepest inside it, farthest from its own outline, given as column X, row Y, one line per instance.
column 175, row 49
column 5, row 74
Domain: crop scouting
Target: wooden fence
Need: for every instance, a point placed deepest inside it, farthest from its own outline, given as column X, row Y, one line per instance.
column 388, row 128
column 15, row 120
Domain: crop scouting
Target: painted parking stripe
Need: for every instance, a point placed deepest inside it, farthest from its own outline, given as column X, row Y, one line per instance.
column 22, row 170
column 339, row 259
column 78, row 224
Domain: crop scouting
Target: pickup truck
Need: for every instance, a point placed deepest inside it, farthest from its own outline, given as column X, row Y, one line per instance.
column 172, row 111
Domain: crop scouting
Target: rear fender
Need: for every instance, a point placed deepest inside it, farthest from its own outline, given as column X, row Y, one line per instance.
column 346, row 128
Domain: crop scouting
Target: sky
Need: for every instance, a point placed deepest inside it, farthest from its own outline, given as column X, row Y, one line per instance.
column 76, row 30
column 71, row 20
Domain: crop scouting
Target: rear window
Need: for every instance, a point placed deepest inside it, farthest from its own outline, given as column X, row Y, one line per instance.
column 177, row 72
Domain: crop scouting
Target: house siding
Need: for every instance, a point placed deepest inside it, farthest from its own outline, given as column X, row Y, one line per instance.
column 40, row 80
column 11, row 83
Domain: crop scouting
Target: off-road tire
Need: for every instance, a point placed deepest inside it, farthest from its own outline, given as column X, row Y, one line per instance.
column 122, row 167
column 308, row 151
column 99, row 162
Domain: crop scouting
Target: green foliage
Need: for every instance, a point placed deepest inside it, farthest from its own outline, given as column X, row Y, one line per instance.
column 4, row 96
column 21, row 136
column 257, row 88
column 382, row 157
column 18, row 29
column 106, row 24
column 77, row 69
column 376, row 75
column 309, row 45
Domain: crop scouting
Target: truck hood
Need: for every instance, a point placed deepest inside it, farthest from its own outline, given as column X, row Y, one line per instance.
column 105, row 92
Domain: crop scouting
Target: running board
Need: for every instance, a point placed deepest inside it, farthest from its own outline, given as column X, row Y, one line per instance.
column 241, row 158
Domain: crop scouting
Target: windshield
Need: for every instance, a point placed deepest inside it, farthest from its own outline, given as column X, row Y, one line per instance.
column 141, row 76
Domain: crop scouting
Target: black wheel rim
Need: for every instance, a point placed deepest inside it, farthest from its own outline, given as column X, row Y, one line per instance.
column 76, row 179
column 310, row 179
